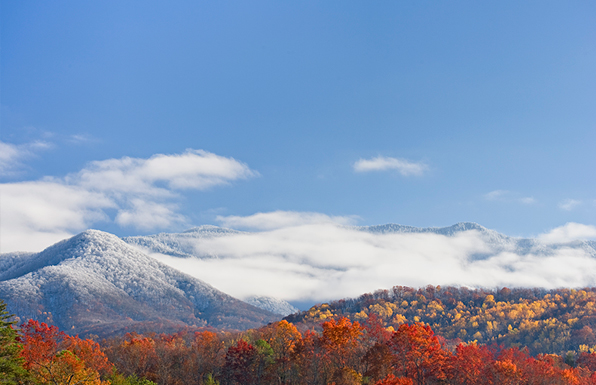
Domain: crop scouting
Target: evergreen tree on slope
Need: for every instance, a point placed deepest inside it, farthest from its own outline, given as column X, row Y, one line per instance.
column 11, row 363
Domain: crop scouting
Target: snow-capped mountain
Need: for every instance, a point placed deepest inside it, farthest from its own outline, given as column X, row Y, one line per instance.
column 274, row 305
column 309, row 263
column 179, row 244
column 185, row 244
column 94, row 282
column 497, row 241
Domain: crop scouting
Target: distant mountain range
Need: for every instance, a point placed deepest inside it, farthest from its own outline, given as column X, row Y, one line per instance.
column 498, row 242
column 179, row 244
column 185, row 244
column 96, row 283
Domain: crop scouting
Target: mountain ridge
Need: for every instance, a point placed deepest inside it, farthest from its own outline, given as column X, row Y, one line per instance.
column 96, row 278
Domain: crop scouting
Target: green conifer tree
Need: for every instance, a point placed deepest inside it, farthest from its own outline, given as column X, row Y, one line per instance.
column 11, row 363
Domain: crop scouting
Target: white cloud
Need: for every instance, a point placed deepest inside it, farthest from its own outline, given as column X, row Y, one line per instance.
column 325, row 260
column 569, row 204
column 495, row 195
column 280, row 219
column 568, row 233
column 140, row 191
column 147, row 215
column 508, row 196
column 12, row 156
column 194, row 169
column 527, row 200
column 382, row 163
column 37, row 214
column 81, row 138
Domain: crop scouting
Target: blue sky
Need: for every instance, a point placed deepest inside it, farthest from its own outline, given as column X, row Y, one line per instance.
column 419, row 113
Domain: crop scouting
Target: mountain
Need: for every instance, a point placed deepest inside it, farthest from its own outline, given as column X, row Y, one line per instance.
column 96, row 283
column 319, row 262
column 498, row 242
column 274, row 305
column 179, row 244
column 545, row 321
column 185, row 244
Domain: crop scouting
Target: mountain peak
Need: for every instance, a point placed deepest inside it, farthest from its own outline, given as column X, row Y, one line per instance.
column 203, row 228
column 463, row 226
column 94, row 279
column 450, row 230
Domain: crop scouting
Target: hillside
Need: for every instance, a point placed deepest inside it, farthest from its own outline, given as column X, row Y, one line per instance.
column 546, row 321
column 179, row 244
column 96, row 283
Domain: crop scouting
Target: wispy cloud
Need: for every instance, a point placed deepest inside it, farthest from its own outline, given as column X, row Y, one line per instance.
column 527, row 200
column 12, row 156
column 282, row 219
column 496, row 195
column 508, row 196
column 569, row 204
column 81, row 138
column 142, row 192
column 322, row 261
column 382, row 163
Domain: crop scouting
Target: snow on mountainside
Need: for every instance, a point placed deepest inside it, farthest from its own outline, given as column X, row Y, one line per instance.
column 10, row 262
column 185, row 244
column 490, row 236
column 498, row 242
column 317, row 262
column 274, row 305
column 178, row 244
column 94, row 282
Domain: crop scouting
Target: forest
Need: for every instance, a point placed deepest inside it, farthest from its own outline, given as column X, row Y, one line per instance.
column 431, row 335
column 544, row 321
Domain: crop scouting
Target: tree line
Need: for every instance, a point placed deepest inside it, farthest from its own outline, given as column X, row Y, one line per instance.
column 545, row 321
column 339, row 351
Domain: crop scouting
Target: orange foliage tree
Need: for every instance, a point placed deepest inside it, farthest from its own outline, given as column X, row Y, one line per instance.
column 55, row 358
column 418, row 354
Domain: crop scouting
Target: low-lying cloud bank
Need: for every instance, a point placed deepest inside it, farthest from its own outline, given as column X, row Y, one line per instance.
column 325, row 260
column 141, row 192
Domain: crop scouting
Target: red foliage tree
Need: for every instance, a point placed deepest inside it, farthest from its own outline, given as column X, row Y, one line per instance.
column 587, row 360
column 55, row 358
column 134, row 356
column 471, row 365
column 240, row 363
column 392, row 380
column 418, row 354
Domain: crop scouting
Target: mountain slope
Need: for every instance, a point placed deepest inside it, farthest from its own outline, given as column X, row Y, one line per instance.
column 179, row 244
column 185, row 244
column 311, row 263
column 274, row 305
column 95, row 282
column 498, row 242
column 546, row 321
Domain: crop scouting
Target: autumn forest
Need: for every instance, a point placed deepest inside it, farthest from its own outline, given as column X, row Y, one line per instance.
column 432, row 335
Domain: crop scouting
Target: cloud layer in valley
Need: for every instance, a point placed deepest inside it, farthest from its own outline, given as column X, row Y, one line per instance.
column 142, row 193
column 320, row 260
